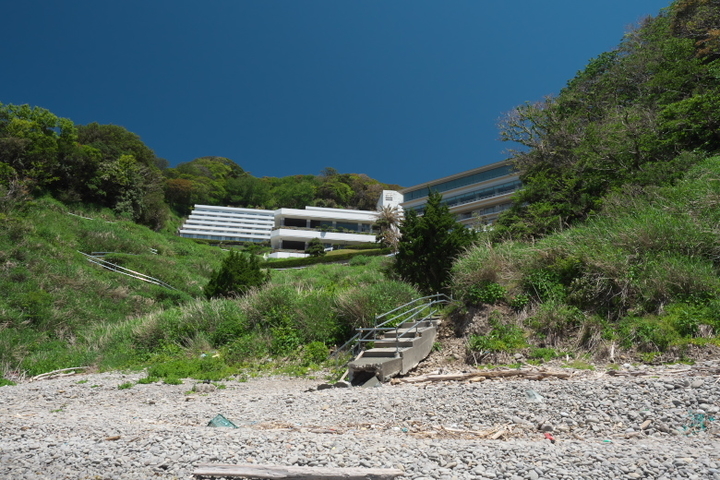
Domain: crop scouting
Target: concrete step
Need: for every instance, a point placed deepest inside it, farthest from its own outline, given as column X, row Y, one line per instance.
column 430, row 322
column 383, row 352
column 404, row 333
column 392, row 343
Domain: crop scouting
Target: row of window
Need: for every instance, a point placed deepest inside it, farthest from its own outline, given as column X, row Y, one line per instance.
column 459, row 182
column 232, row 232
column 470, row 197
column 268, row 219
column 219, row 237
column 228, row 224
column 485, row 211
column 206, row 213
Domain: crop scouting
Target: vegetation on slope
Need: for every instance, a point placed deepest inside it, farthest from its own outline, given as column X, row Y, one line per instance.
column 643, row 274
column 59, row 310
column 639, row 115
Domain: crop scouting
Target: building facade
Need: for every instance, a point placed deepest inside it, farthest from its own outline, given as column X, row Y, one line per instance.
column 294, row 228
column 288, row 230
column 229, row 224
column 476, row 196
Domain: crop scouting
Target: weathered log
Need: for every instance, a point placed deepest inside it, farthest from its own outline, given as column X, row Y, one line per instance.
column 299, row 473
column 57, row 373
column 529, row 374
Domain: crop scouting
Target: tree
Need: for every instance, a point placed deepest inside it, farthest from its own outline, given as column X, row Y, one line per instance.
column 315, row 248
column 388, row 224
column 238, row 273
column 429, row 244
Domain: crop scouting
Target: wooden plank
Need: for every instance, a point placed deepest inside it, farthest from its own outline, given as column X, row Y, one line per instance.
column 298, row 473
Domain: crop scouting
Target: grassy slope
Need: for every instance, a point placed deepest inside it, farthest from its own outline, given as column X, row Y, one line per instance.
column 58, row 310
column 644, row 275
column 53, row 297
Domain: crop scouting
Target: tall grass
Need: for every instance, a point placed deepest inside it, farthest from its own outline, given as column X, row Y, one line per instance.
column 645, row 253
column 53, row 298
column 60, row 310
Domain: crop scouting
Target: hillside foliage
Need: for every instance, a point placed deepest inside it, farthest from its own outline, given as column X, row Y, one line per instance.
column 639, row 115
column 109, row 166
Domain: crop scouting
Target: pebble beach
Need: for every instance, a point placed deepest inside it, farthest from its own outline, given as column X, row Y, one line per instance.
column 641, row 422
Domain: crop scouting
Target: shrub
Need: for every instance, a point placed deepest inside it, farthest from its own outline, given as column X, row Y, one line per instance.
column 247, row 348
column 488, row 293
column 357, row 307
column 554, row 321
column 314, row 353
column 207, row 368
column 503, row 337
column 238, row 274
column 429, row 245
column 519, row 301
column 285, row 340
column 315, row 248
column 647, row 334
column 544, row 354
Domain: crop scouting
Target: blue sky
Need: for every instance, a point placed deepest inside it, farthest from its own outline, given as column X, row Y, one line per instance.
column 404, row 91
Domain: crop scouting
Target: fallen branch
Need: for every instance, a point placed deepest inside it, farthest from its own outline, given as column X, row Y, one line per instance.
column 57, row 373
column 479, row 376
column 273, row 472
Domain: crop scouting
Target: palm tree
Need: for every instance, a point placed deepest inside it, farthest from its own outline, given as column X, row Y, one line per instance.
column 388, row 224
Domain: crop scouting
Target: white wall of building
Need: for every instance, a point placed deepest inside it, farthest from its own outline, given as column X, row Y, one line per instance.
column 229, row 224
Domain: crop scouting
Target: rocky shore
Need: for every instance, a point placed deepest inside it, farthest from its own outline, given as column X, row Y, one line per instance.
column 656, row 423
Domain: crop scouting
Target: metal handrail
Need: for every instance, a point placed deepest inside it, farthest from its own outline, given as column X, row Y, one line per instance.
column 369, row 334
column 125, row 271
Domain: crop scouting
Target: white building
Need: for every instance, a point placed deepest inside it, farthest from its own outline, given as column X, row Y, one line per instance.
column 294, row 228
column 476, row 196
column 389, row 198
column 229, row 224
column 288, row 230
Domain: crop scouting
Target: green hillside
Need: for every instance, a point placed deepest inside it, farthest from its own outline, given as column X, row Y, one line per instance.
column 610, row 250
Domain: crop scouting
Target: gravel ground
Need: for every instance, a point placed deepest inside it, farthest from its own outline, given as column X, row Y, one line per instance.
column 663, row 424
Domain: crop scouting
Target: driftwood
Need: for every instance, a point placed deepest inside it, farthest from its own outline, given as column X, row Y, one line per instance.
column 273, row 472
column 493, row 433
column 689, row 372
column 479, row 376
column 63, row 372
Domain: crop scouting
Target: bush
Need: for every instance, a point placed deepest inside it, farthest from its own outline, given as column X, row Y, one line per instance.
column 315, row 248
column 502, row 337
column 554, row 321
column 357, row 307
column 247, row 348
column 429, row 245
column 314, row 353
column 205, row 368
column 239, row 273
column 544, row 354
column 488, row 293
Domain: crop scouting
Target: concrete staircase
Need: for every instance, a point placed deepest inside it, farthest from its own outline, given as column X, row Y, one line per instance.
column 396, row 353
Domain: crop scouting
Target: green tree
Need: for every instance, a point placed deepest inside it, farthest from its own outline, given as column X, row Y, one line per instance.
column 429, row 244
column 315, row 248
column 639, row 115
column 238, row 273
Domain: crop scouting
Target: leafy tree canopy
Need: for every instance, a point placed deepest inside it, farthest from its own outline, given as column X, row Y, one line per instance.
column 238, row 273
column 639, row 115
column 429, row 244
